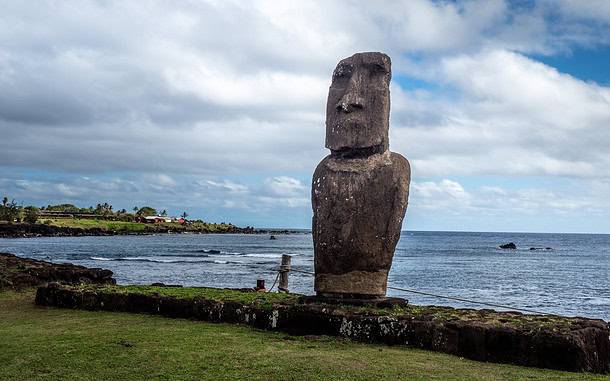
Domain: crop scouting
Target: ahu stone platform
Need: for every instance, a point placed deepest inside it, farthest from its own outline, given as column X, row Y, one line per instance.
column 572, row 344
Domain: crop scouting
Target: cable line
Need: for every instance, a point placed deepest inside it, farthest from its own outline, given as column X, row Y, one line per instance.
column 447, row 297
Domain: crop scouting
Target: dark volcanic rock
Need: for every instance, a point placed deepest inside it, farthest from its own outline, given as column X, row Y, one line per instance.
column 41, row 230
column 360, row 191
column 510, row 246
column 17, row 272
column 159, row 284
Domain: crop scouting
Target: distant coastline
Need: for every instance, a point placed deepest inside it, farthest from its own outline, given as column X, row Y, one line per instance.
column 68, row 220
column 110, row 228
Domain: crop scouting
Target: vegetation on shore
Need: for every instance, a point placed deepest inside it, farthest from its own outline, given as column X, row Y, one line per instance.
column 72, row 216
column 139, row 227
column 63, row 344
column 105, row 218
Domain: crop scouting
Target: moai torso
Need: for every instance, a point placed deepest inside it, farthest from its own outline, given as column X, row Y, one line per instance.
column 359, row 191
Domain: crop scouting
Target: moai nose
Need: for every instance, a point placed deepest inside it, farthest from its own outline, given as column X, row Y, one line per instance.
column 351, row 100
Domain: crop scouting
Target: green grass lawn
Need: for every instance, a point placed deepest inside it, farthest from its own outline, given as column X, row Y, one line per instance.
column 91, row 223
column 218, row 294
column 86, row 223
column 39, row 343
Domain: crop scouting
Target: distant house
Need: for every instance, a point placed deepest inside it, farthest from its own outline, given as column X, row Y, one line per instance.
column 160, row 219
column 156, row 219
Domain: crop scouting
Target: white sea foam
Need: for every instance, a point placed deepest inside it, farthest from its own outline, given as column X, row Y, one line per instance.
column 260, row 255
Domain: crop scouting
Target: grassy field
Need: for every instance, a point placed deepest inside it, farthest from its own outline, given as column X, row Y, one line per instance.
column 134, row 226
column 219, row 294
column 57, row 344
column 89, row 223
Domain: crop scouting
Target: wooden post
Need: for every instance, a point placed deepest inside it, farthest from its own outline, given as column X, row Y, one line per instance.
column 284, row 270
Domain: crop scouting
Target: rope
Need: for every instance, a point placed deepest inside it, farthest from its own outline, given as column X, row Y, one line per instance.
column 446, row 297
column 469, row 301
column 301, row 271
column 274, row 282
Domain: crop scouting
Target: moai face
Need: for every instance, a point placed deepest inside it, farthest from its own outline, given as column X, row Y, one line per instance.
column 358, row 107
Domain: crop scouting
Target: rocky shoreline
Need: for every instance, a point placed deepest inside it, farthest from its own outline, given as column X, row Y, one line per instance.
column 19, row 273
column 23, row 230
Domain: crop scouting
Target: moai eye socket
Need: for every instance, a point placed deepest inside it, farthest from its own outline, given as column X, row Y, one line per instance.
column 343, row 71
column 377, row 69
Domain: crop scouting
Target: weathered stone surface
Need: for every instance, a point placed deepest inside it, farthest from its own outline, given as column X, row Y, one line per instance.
column 358, row 106
column 573, row 344
column 17, row 272
column 360, row 191
column 358, row 206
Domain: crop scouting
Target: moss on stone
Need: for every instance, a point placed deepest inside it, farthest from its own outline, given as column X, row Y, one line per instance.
column 267, row 300
column 216, row 294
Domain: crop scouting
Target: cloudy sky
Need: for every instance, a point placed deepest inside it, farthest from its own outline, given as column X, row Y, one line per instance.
column 217, row 107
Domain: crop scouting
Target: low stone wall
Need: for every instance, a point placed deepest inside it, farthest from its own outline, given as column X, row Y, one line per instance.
column 576, row 344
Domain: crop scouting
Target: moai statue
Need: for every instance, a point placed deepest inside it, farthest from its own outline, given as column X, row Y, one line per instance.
column 359, row 192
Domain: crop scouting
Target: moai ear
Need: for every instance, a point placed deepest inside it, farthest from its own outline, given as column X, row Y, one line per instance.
column 358, row 105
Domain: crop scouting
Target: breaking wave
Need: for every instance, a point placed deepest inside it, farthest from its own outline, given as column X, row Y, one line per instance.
column 157, row 260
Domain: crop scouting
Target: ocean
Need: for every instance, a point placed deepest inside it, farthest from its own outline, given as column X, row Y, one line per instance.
column 573, row 278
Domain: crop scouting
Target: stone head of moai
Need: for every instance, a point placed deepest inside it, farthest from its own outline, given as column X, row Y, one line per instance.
column 360, row 191
column 358, row 107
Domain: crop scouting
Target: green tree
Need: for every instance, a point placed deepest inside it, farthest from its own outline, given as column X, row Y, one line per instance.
column 147, row 211
column 30, row 214
column 9, row 211
column 104, row 209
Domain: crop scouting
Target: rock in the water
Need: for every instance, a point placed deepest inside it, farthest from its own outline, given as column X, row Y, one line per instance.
column 160, row 284
column 510, row 245
column 360, row 191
